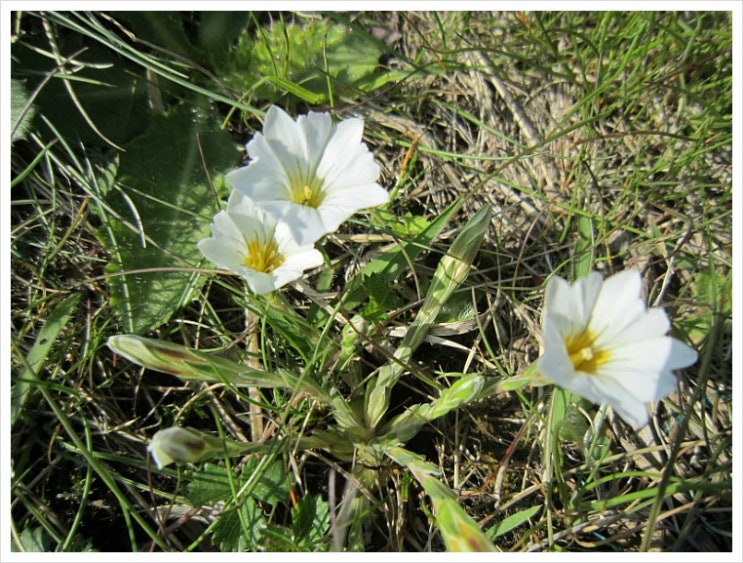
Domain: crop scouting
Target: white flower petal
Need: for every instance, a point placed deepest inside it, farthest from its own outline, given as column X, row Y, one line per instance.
column 246, row 235
column 681, row 355
column 353, row 174
column 263, row 180
column 306, row 223
column 317, row 129
column 647, row 325
column 554, row 363
column 288, row 142
column 572, row 304
column 618, row 304
column 327, row 164
column 623, row 358
column 621, row 398
column 258, row 282
column 301, row 261
column 343, row 148
column 224, row 255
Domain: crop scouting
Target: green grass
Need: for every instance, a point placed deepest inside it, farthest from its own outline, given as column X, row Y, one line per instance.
column 597, row 139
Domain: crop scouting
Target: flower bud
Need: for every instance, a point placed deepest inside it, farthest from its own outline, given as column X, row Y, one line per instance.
column 179, row 445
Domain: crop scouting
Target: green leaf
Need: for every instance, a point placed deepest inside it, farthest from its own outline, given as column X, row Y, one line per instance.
column 311, row 60
column 111, row 91
column 310, row 521
column 240, row 528
column 458, row 530
column 56, row 321
column 584, row 247
column 462, row 392
column 162, row 207
column 450, row 273
column 34, row 540
column 21, row 113
column 296, row 331
column 212, row 483
column 511, row 522
column 164, row 29
column 713, row 291
column 272, row 486
column 383, row 270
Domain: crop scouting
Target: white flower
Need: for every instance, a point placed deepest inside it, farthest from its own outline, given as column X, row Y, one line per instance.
column 311, row 173
column 256, row 246
column 602, row 343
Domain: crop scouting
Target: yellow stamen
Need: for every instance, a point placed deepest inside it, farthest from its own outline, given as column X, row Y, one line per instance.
column 583, row 353
column 263, row 257
column 309, row 195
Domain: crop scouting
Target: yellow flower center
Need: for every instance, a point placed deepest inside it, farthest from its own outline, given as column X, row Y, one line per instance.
column 310, row 194
column 263, row 257
column 583, row 353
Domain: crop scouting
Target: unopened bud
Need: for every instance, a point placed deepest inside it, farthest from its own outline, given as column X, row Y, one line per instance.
column 177, row 445
column 186, row 445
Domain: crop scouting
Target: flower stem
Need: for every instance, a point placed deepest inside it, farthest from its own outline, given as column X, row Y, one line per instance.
column 256, row 417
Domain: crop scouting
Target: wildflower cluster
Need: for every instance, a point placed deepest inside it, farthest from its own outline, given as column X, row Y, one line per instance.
column 305, row 178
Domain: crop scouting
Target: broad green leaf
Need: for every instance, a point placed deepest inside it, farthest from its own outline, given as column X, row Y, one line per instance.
column 310, row 521
column 212, row 483
column 239, row 529
column 311, row 60
column 22, row 385
column 110, row 91
column 162, row 206
column 272, row 486
column 33, row 540
column 162, row 28
column 218, row 30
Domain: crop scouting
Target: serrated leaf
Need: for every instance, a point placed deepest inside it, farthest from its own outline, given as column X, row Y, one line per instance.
column 212, row 483
column 310, row 521
column 271, row 487
column 163, row 206
column 239, row 529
